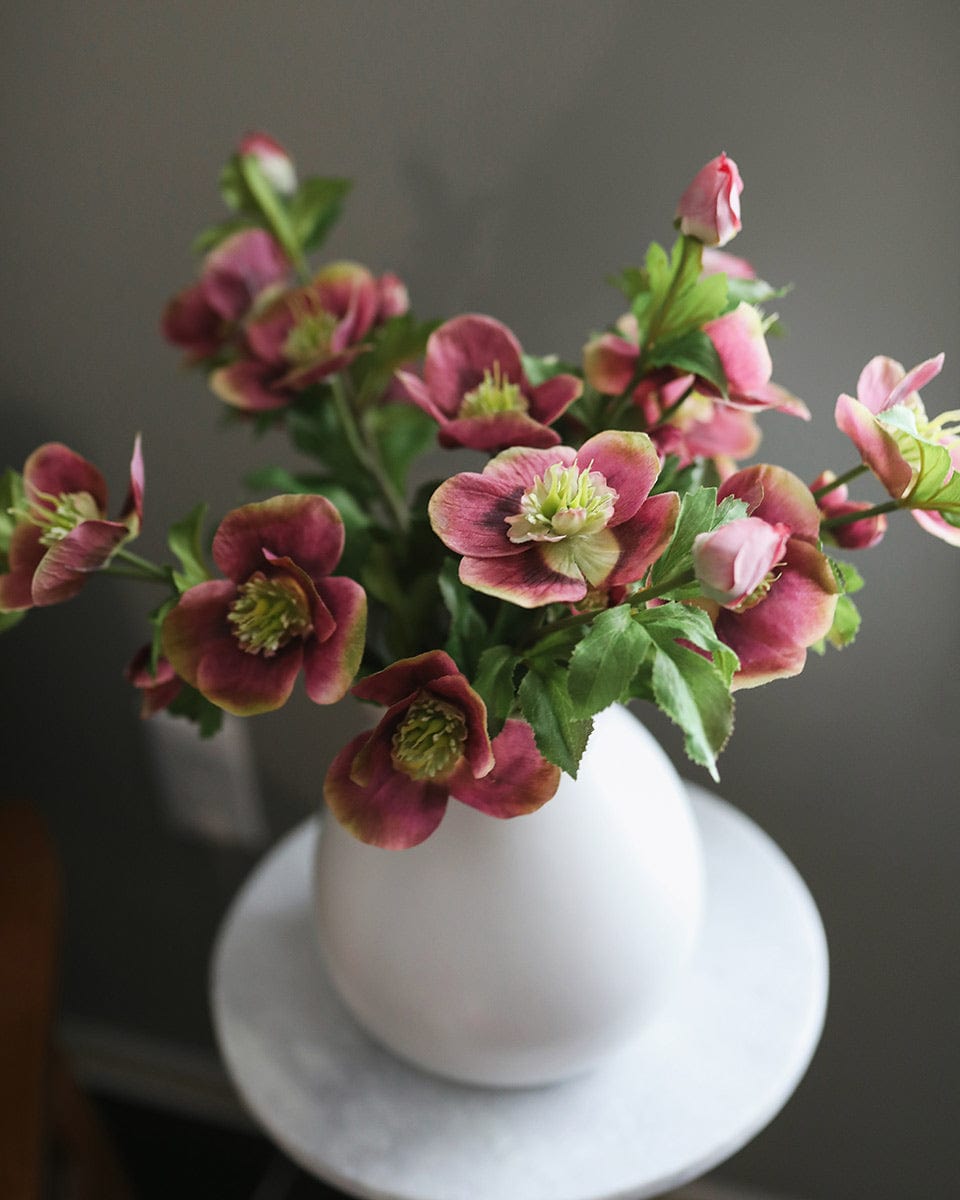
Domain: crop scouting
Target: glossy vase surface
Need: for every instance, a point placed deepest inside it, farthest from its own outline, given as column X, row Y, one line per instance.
column 525, row 951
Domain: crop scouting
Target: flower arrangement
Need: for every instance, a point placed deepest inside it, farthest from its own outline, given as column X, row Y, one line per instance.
column 609, row 545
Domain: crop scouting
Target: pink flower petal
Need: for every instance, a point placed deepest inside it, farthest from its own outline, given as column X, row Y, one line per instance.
column 496, row 431
column 914, row 380
column 469, row 514
column 877, row 447
column 133, row 505
column 392, row 811
column 520, row 781
column 461, row 350
column 645, row 537
column 189, row 322
column 198, row 641
column 628, row 462
column 307, row 529
column 239, row 269
column 738, row 339
column 62, row 571
column 329, row 666
column 936, row 523
column 349, row 291
column 24, row 555
column 525, row 579
column 776, row 496
column 405, row 677
column 609, row 363
column 55, row 469
column 248, row 385
column 553, row 397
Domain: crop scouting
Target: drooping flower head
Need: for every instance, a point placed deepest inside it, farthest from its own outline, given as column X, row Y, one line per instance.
column 63, row 534
column 539, row 526
column 205, row 317
column 913, row 456
column 390, row 786
column 302, row 336
column 793, row 606
column 709, row 209
column 157, row 688
column 243, row 640
column 475, row 388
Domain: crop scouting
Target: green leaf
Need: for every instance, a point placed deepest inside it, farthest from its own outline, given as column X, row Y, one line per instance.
column 699, row 513
column 12, row 496
column 556, row 646
column 399, row 342
column 691, row 351
column 9, row 619
column 210, row 238
column 315, row 208
column 190, row 704
column 156, row 620
column 184, row 540
column 493, row 682
column 699, row 302
column 848, row 576
column 936, row 487
column 692, row 690
column 402, row 432
column 753, row 291
column 632, row 281
column 314, row 428
column 468, row 629
column 538, row 370
column 605, row 661
column 546, row 705
column 846, row 623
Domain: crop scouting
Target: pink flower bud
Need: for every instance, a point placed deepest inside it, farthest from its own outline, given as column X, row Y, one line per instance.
column 394, row 300
column 709, row 209
column 732, row 562
column 275, row 163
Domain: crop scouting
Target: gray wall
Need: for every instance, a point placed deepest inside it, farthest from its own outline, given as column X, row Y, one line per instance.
column 508, row 157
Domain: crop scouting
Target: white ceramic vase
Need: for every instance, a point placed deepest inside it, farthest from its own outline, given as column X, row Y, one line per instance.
column 522, row 952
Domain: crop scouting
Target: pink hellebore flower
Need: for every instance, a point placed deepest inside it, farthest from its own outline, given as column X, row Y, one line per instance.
column 856, row 535
column 709, row 210
column 302, row 336
column 157, row 689
column 694, row 425
column 474, row 386
column 732, row 562
column 275, row 163
column 204, row 317
column 63, row 535
column 242, row 641
column 544, row 526
column 390, row 786
column 889, row 426
column 794, row 605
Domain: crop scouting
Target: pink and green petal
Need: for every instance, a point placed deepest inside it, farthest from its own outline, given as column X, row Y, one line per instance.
column 392, row 811
column 590, row 556
column 878, row 448
column 469, row 512
column 494, row 431
column 609, row 363
column 132, row 512
column 240, row 268
column 738, row 339
column 628, row 462
column 24, row 555
column 349, row 291
column 553, row 397
column 405, row 677
column 248, row 384
column 321, row 618
column 305, row 528
column 63, row 569
column 938, row 525
column 521, row 780
column 524, row 579
column 644, row 538
column 54, row 469
column 200, row 645
column 329, row 666
column 776, row 496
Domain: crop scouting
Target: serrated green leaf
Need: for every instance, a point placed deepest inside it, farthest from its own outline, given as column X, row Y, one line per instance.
column 675, row 620
column 546, row 705
column 753, row 291
column 493, row 682
column 315, row 209
column 699, row 513
column 936, row 486
column 184, row 540
column 846, row 623
column 605, row 661
column 556, row 646
column 396, row 344
column 691, row 351
column 699, row 302
column 631, row 281
column 690, row 690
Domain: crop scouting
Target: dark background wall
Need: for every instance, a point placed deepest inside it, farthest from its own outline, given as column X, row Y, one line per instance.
column 508, row 157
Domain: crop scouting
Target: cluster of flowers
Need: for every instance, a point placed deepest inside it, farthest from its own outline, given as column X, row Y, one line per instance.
column 610, row 547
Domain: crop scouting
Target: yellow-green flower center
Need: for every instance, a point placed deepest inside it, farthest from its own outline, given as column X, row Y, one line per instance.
column 759, row 593
column 494, row 395
column 429, row 742
column 563, row 502
column 59, row 515
column 269, row 613
column 310, row 338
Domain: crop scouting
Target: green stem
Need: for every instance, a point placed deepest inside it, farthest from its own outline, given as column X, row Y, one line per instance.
column 368, row 456
column 840, row 480
column 851, row 517
column 141, row 568
column 656, row 323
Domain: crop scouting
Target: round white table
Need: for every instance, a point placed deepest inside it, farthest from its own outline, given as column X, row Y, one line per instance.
column 694, row 1087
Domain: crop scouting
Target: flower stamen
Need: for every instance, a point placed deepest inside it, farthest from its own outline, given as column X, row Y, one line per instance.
column 429, row 742
column 563, row 502
column 494, row 395
column 269, row 613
